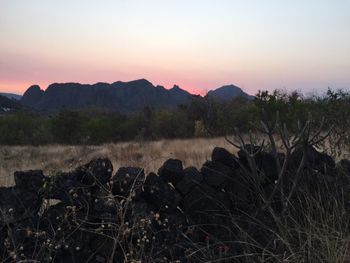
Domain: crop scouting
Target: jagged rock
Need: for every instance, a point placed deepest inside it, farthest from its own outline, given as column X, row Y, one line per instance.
column 31, row 180
column 60, row 186
column 216, row 174
column 53, row 217
column 345, row 164
column 251, row 149
column 207, row 210
column 267, row 164
column 18, row 204
column 191, row 178
column 223, row 156
column 314, row 160
column 136, row 211
column 106, row 204
column 128, row 180
column 160, row 194
column 171, row 171
column 264, row 161
column 205, row 199
column 96, row 172
column 168, row 230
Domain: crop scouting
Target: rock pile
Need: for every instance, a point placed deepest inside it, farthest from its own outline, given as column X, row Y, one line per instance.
column 177, row 215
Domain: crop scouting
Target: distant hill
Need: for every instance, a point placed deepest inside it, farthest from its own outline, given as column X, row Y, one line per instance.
column 11, row 95
column 9, row 105
column 119, row 96
column 228, row 92
column 124, row 97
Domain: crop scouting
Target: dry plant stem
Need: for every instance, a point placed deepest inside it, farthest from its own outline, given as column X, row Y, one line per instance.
column 127, row 200
column 301, row 166
column 304, row 137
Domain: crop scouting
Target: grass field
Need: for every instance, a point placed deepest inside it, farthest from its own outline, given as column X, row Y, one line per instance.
column 149, row 155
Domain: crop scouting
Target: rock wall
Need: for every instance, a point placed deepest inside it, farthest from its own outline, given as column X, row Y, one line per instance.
column 177, row 215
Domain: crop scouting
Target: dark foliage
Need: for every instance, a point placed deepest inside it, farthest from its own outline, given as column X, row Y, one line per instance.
column 201, row 117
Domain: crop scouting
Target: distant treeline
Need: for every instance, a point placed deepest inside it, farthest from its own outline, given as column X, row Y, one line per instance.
column 202, row 117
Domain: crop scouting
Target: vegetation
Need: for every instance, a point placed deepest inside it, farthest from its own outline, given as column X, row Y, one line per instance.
column 201, row 118
column 150, row 155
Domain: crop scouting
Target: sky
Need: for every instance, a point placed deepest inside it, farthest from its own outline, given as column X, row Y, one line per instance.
column 197, row 44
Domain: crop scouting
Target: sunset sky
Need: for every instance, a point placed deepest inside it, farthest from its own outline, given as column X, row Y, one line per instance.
column 197, row 44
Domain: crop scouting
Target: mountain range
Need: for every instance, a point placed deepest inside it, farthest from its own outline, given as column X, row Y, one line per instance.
column 124, row 97
column 228, row 92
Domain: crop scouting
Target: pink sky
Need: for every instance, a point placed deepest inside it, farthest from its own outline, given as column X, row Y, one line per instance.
column 198, row 44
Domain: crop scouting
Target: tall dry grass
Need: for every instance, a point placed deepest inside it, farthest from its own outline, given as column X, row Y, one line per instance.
column 149, row 155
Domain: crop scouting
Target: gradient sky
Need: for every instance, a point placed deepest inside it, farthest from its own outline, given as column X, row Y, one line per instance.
column 197, row 44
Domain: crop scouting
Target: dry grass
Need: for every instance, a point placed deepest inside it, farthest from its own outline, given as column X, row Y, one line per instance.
column 149, row 155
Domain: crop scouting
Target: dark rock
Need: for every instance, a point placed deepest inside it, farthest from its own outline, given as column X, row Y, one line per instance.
column 242, row 192
column 60, row 186
column 168, row 230
column 106, row 204
column 251, row 149
column 345, row 164
column 223, row 156
column 96, row 172
column 216, row 174
column 191, row 178
column 207, row 210
column 160, row 194
column 128, row 180
column 137, row 210
column 314, row 160
column 265, row 163
column 103, row 245
column 205, row 199
column 75, row 247
column 171, row 171
column 267, row 166
column 53, row 217
column 31, row 180
column 17, row 204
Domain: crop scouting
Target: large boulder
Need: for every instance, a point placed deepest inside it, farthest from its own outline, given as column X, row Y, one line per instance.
column 265, row 163
column 207, row 211
column 204, row 199
column 171, row 171
column 96, row 172
column 191, row 178
column 60, row 186
column 128, row 181
column 216, row 174
column 223, row 156
column 17, row 204
column 316, row 160
column 31, row 180
column 160, row 194
column 345, row 165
